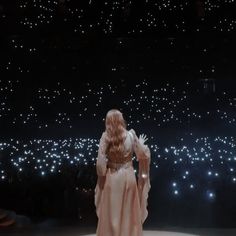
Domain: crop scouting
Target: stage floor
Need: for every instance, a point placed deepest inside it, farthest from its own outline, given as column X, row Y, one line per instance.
column 158, row 233
column 46, row 230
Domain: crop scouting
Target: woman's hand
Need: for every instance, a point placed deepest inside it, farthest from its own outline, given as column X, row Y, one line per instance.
column 142, row 138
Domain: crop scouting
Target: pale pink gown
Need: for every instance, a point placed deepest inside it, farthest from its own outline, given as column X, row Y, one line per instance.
column 120, row 200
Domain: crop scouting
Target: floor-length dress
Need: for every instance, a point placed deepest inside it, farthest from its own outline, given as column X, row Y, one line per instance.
column 121, row 202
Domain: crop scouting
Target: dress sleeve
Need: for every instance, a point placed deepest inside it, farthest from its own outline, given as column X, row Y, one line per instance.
column 144, row 157
column 141, row 150
column 101, row 164
column 101, row 167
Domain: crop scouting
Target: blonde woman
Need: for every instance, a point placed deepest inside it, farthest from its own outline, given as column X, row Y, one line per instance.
column 120, row 200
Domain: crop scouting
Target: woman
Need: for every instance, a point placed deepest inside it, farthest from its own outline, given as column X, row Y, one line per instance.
column 121, row 203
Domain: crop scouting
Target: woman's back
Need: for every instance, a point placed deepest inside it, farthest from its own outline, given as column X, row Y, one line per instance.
column 120, row 202
column 128, row 151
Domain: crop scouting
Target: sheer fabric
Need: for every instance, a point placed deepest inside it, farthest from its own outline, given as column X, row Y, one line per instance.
column 120, row 200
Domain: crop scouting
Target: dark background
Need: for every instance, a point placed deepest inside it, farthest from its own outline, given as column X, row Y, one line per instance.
column 89, row 52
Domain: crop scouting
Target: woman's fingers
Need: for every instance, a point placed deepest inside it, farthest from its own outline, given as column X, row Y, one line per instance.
column 143, row 138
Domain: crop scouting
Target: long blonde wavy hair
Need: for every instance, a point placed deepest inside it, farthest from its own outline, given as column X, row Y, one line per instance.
column 115, row 132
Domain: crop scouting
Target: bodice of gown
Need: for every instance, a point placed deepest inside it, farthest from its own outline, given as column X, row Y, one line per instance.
column 132, row 144
column 128, row 154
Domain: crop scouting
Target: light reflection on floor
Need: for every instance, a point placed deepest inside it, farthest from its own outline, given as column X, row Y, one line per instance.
column 158, row 233
column 59, row 228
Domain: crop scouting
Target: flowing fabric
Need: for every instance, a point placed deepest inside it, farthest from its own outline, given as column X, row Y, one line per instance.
column 121, row 201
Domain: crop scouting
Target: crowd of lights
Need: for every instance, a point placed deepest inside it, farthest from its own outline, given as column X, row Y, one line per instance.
column 153, row 16
column 196, row 164
column 25, row 55
column 163, row 105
